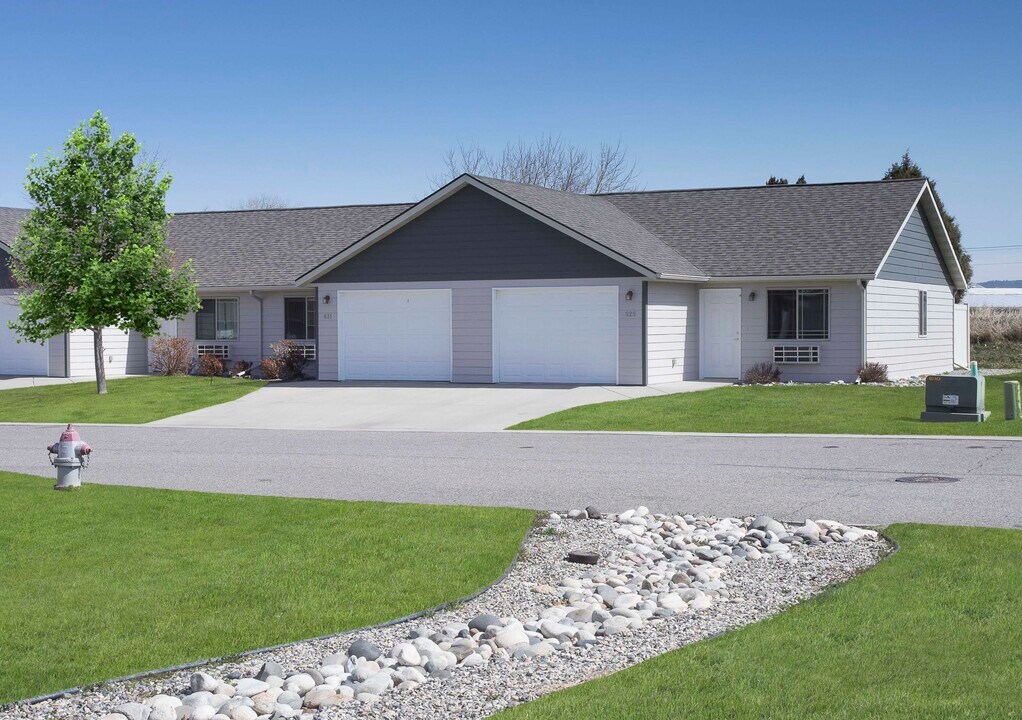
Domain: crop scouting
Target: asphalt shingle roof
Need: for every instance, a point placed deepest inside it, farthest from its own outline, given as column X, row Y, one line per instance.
column 269, row 248
column 781, row 230
column 600, row 221
column 836, row 229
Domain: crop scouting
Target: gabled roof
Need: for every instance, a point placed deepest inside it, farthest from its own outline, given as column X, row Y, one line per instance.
column 781, row 230
column 834, row 230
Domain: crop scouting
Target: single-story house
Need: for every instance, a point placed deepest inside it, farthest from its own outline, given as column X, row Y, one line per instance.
column 490, row 281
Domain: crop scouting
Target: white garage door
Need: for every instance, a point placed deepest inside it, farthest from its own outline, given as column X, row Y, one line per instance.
column 18, row 358
column 394, row 334
column 556, row 335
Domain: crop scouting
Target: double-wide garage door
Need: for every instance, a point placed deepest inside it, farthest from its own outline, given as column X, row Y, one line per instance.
column 16, row 358
column 538, row 335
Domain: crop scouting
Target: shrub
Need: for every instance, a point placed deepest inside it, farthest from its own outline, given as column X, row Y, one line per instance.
column 873, row 372
column 210, row 366
column 241, row 367
column 171, row 356
column 990, row 325
column 290, row 360
column 270, row 368
column 762, row 374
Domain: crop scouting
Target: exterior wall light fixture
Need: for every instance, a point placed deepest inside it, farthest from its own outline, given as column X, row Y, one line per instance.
column 629, row 295
column 752, row 296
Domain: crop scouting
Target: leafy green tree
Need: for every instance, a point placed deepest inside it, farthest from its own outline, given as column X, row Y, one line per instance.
column 801, row 180
column 92, row 251
column 907, row 168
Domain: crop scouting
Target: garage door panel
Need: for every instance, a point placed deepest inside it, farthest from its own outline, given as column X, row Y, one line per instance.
column 556, row 335
column 395, row 335
column 16, row 358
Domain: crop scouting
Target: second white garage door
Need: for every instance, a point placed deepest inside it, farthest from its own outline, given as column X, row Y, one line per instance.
column 555, row 335
column 16, row 358
column 394, row 334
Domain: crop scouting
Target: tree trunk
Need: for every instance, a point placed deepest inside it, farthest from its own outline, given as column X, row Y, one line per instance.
column 97, row 346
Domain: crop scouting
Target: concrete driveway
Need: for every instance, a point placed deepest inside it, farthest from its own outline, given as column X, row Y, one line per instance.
column 407, row 406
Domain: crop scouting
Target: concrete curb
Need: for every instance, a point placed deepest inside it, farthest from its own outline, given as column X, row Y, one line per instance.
column 652, row 433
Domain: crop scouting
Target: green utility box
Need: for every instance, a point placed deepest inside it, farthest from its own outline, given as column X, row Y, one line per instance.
column 1012, row 403
column 955, row 398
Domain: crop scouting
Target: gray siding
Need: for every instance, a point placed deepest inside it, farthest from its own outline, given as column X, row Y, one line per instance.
column 247, row 346
column 472, row 320
column 473, row 236
column 915, row 256
column 672, row 332
column 840, row 354
column 892, row 322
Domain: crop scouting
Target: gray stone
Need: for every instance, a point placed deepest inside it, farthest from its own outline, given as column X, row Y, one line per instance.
column 482, row 622
column 270, row 668
column 375, row 685
column 364, row 649
column 593, row 513
column 202, row 682
column 291, row 699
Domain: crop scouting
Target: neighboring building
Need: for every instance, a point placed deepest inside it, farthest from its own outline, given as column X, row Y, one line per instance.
column 492, row 281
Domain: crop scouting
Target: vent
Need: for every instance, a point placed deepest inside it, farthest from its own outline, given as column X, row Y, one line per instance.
column 221, row 351
column 796, row 354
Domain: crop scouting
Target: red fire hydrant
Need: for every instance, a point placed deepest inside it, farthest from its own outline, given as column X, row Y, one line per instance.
column 72, row 454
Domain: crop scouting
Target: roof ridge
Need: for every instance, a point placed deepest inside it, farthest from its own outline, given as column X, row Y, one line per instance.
column 755, row 187
column 285, row 209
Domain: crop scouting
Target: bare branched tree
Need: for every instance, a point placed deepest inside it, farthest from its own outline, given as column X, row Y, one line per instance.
column 262, row 202
column 548, row 162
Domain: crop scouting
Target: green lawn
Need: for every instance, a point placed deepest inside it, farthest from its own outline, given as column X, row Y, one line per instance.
column 782, row 409
column 933, row 632
column 108, row 580
column 128, row 400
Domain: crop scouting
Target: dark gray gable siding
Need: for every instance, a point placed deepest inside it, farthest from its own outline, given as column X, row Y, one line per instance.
column 916, row 256
column 474, row 236
column 6, row 279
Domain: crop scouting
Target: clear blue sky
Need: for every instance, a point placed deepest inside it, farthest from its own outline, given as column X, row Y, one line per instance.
column 338, row 103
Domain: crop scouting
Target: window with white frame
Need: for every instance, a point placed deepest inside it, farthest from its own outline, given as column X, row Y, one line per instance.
column 798, row 314
column 300, row 318
column 217, row 319
column 922, row 313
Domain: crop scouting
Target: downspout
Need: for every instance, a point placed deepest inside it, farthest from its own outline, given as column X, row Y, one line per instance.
column 260, row 298
column 862, row 287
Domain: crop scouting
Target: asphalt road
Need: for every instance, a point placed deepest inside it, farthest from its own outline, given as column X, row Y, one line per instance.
column 791, row 478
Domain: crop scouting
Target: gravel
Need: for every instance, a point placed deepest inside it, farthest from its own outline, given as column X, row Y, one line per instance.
column 661, row 582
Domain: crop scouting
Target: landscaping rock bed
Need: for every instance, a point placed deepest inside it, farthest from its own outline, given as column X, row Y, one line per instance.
column 659, row 582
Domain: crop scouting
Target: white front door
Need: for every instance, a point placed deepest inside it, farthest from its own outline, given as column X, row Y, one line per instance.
column 555, row 335
column 720, row 333
column 16, row 358
column 394, row 335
